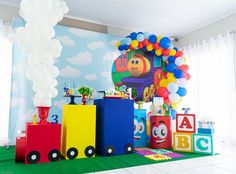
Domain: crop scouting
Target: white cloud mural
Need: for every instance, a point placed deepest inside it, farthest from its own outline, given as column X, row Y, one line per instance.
column 113, row 43
column 59, row 103
column 17, row 102
column 83, row 33
column 70, row 71
column 107, row 75
column 90, row 77
column 83, row 58
column 111, row 56
column 65, row 40
column 96, row 45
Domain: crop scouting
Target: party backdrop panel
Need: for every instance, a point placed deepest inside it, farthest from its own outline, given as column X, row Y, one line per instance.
column 86, row 59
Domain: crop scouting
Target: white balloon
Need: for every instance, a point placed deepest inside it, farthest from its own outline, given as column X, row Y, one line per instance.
column 179, row 61
column 165, row 58
column 174, row 98
column 172, row 87
column 182, row 82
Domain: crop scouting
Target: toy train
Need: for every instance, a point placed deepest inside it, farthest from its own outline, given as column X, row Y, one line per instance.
column 110, row 131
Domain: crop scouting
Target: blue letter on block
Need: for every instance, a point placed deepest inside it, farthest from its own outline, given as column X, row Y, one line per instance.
column 203, row 143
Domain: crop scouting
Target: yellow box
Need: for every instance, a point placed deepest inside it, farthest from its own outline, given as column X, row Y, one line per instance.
column 183, row 142
column 78, row 131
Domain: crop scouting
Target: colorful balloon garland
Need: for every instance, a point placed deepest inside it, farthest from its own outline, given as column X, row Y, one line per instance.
column 172, row 87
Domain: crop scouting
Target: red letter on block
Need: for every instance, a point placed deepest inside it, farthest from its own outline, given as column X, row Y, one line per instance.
column 185, row 123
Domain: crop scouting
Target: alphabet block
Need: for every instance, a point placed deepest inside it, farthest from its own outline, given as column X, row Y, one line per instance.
column 183, row 142
column 203, row 143
column 186, row 123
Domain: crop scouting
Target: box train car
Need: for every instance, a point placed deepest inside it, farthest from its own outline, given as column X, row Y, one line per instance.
column 114, row 133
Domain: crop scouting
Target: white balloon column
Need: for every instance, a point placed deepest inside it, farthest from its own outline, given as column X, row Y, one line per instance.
column 37, row 40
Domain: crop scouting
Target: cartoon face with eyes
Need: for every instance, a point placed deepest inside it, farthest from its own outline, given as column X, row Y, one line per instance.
column 140, row 137
column 161, row 132
column 138, row 65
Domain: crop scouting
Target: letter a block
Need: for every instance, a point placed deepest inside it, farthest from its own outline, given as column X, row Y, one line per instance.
column 185, row 123
column 203, row 143
column 183, row 142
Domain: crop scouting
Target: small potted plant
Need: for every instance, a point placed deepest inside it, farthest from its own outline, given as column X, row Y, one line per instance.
column 86, row 92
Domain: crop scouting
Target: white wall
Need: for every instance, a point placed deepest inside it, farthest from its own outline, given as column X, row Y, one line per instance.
column 211, row 30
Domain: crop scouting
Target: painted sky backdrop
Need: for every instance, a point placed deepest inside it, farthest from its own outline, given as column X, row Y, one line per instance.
column 86, row 59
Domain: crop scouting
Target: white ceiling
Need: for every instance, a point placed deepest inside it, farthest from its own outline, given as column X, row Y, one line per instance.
column 167, row 17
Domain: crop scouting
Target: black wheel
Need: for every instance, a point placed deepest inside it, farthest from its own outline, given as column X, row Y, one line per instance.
column 110, row 150
column 89, row 151
column 129, row 148
column 54, row 155
column 33, row 157
column 72, row 153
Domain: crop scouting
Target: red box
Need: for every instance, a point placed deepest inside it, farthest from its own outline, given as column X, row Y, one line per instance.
column 161, row 132
column 43, row 143
column 186, row 123
column 20, row 149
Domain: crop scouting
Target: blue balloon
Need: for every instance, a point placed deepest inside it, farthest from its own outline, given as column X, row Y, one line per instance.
column 140, row 32
column 140, row 37
column 133, row 36
column 171, row 67
column 128, row 41
column 165, row 42
column 171, row 59
column 176, row 49
column 126, row 47
column 146, row 35
column 182, row 91
column 178, row 73
column 121, row 48
column 144, row 48
column 173, row 114
column 122, row 42
column 153, row 38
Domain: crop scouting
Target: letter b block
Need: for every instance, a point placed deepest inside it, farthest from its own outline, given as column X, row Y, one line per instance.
column 185, row 123
column 183, row 142
column 203, row 143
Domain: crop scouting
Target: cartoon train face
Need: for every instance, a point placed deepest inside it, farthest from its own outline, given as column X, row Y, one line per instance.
column 161, row 132
column 140, row 136
column 138, row 65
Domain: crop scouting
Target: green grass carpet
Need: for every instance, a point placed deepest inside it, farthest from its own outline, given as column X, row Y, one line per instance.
column 8, row 165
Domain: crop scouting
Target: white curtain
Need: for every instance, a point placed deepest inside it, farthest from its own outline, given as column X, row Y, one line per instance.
column 212, row 93
column 5, row 79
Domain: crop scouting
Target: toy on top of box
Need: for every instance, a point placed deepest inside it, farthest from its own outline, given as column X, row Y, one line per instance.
column 79, row 127
column 140, row 133
column 161, row 132
column 41, row 141
column 206, row 127
column 115, row 131
column 118, row 92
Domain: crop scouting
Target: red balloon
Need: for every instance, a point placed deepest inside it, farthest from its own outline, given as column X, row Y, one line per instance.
column 165, row 52
column 167, row 101
column 156, row 46
column 130, row 47
column 184, row 68
column 145, row 42
column 179, row 54
column 187, row 76
column 162, row 92
column 140, row 45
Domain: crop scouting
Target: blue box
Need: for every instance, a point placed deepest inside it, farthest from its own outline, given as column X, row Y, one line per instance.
column 140, row 132
column 114, row 129
column 206, row 131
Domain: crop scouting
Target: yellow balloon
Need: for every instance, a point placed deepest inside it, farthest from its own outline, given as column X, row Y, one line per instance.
column 117, row 44
column 163, row 83
column 159, row 38
column 134, row 43
column 158, row 52
column 171, row 79
column 172, row 52
column 180, row 100
column 169, row 75
column 185, row 60
column 149, row 47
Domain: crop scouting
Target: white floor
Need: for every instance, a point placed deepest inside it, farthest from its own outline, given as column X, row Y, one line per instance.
column 225, row 163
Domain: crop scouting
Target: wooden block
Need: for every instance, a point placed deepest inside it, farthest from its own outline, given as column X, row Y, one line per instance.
column 78, row 131
column 203, row 143
column 183, row 142
column 186, row 123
